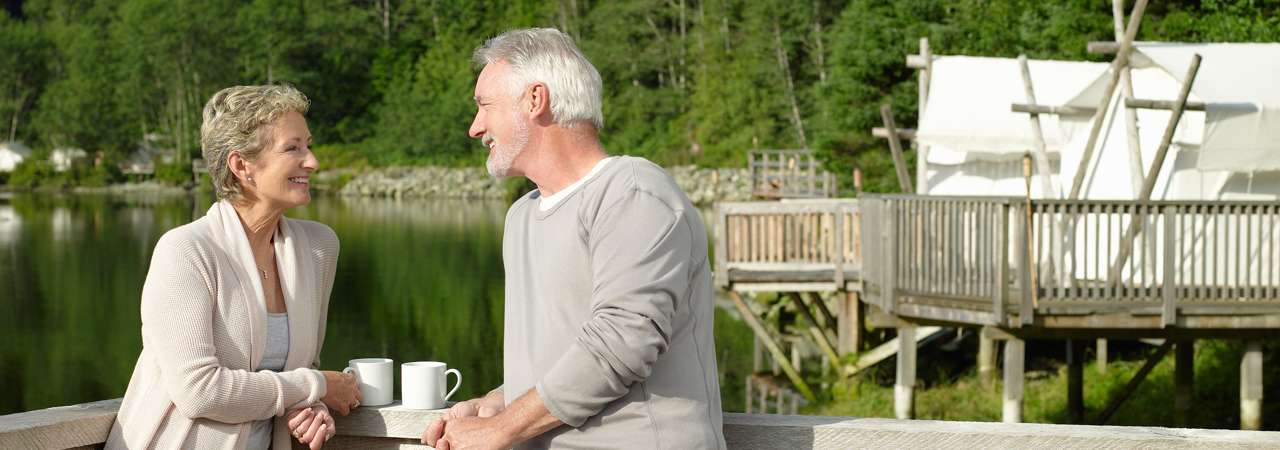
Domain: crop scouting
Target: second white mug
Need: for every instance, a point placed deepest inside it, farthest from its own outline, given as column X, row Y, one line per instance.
column 423, row 383
column 374, row 375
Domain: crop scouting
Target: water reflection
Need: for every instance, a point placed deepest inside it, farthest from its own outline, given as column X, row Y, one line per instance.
column 416, row 280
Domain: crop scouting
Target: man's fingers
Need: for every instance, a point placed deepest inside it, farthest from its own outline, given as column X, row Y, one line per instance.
column 442, row 444
column 488, row 411
column 433, row 432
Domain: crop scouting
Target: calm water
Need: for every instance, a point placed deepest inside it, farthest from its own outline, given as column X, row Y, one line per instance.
column 416, row 280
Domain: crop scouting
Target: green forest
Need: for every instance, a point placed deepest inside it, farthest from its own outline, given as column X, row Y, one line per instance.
column 686, row 82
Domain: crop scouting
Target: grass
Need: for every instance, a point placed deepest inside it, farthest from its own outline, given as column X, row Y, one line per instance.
column 950, row 394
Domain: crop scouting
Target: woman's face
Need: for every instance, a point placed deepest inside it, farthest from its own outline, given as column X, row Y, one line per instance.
column 282, row 172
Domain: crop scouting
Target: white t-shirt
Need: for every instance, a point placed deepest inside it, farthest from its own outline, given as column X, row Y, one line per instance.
column 548, row 202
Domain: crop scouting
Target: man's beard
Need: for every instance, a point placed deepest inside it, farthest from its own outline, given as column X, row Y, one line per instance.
column 504, row 155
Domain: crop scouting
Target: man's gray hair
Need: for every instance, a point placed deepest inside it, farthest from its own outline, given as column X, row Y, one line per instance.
column 235, row 120
column 549, row 56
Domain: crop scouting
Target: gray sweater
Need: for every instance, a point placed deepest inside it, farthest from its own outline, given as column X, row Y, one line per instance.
column 609, row 313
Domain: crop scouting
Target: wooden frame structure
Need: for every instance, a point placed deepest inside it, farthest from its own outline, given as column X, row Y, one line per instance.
column 778, row 174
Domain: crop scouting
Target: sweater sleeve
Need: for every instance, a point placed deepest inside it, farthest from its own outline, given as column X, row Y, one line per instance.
column 640, row 262
column 326, row 251
column 177, row 324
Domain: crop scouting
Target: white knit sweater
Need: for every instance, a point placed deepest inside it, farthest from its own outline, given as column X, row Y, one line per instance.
column 195, row 385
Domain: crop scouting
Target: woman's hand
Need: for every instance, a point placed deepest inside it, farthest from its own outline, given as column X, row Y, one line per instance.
column 341, row 393
column 312, row 426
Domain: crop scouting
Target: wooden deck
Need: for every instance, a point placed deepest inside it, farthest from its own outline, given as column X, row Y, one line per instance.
column 1019, row 269
column 394, row 427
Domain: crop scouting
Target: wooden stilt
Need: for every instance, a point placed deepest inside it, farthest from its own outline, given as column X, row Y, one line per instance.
column 1251, row 387
column 986, row 360
column 1101, row 353
column 1075, row 380
column 773, row 347
column 904, row 388
column 747, row 406
column 1014, row 375
column 850, row 324
column 1184, row 376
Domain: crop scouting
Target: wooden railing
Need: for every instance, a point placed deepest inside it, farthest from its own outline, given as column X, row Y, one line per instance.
column 788, row 174
column 788, row 236
column 395, row 427
column 967, row 253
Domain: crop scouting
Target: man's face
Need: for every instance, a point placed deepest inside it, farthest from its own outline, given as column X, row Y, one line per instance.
column 499, row 124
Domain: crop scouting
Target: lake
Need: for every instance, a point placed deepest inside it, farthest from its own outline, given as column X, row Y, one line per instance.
column 416, row 280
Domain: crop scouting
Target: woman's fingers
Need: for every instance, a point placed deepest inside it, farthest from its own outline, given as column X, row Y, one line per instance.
column 298, row 418
column 310, row 434
column 321, row 436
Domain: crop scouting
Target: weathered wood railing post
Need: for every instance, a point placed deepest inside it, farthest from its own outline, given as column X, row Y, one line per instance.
column 1014, row 370
column 904, row 386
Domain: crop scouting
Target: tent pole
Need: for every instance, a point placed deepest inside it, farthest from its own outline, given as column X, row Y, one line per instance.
column 1122, row 60
column 1149, row 184
column 1042, row 162
column 922, row 151
column 895, row 146
column 1131, row 131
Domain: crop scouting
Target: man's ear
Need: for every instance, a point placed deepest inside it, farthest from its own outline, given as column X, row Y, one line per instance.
column 538, row 101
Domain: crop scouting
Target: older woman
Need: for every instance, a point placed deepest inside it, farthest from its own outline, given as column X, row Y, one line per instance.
column 234, row 305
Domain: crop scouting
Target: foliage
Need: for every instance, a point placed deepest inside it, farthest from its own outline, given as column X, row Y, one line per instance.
column 685, row 81
column 175, row 173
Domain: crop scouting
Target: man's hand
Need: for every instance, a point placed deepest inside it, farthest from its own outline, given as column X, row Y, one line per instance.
column 487, row 406
column 479, row 433
column 312, row 426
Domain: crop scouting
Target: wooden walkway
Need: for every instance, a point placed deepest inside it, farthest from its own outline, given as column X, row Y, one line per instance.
column 1173, row 270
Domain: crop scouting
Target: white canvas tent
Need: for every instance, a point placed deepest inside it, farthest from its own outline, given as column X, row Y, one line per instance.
column 12, row 154
column 974, row 141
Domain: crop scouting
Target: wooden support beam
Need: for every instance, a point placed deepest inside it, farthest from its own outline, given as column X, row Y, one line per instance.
column 1075, row 380
column 818, row 335
column 1133, row 383
column 1049, row 109
column 904, row 388
column 1149, row 184
column 1014, row 375
column 922, row 99
column 1184, row 376
column 1126, row 92
column 1099, row 115
column 1167, row 105
column 850, row 324
column 1251, row 386
column 986, row 360
column 829, row 321
column 887, row 349
column 903, row 133
column 895, row 146
column 1103, row 47
column 1101, row 353
column 774, row 349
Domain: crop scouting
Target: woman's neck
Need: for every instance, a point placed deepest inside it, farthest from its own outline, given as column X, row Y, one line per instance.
column 259, row 221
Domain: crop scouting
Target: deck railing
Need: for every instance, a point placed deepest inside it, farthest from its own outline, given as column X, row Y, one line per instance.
column 789, row 174
column 788, row 236
column 394, row 427
column 967, row 252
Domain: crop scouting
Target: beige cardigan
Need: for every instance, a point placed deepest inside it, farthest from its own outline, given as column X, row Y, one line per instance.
column 195, row 385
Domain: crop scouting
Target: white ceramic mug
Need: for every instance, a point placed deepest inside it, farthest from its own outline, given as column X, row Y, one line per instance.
column 422, row 384
column 374, row 375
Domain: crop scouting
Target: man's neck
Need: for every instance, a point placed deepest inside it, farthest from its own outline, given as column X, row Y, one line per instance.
column 562, row 158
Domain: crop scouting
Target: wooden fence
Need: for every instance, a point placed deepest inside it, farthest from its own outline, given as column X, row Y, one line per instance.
column 788, row 174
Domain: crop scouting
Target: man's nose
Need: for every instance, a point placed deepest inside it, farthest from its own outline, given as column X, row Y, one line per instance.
column 477, row 129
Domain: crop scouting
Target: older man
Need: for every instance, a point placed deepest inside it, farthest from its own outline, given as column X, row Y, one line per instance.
column 609, row 311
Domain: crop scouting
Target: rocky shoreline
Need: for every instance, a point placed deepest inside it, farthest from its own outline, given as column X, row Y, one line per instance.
column 704, row 186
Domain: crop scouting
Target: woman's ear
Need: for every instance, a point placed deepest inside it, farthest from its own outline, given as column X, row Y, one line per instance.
column 239, row 167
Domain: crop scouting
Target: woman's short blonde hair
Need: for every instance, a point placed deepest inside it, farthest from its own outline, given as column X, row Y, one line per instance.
column 235, row 120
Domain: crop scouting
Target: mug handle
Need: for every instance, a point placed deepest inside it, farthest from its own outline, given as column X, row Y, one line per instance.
column 456, row 385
